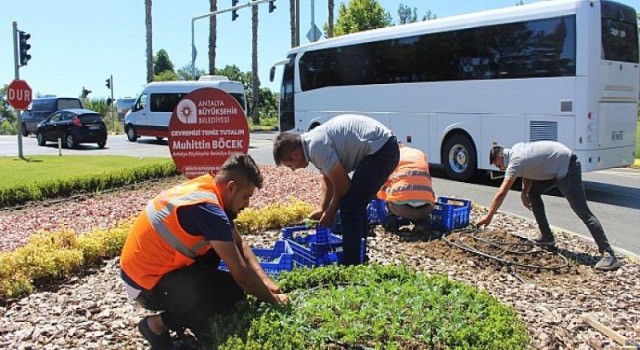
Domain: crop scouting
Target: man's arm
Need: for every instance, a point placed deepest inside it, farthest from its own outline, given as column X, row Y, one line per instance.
column 243, row 274
column 498, row 198
column 253, row 262
column 524, row 195
column 327, row 190
column 340, row 183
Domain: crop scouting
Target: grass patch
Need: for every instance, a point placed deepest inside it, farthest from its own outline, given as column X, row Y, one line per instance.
column 46, row 177
column 48, row 168
column 373, row 307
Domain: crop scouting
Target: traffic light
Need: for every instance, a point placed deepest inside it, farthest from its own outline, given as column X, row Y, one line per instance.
column 109, row 100
column 108, row 83
column 85, row 92
column 272, row 6
column 234, row 13
column 24, row 48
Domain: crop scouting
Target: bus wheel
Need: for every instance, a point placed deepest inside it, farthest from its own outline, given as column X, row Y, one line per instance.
column 459, row 158
column 131, row 133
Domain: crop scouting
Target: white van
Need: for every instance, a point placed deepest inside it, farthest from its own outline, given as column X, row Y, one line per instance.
column 151, row 113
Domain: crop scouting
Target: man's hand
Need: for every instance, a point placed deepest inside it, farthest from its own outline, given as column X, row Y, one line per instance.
column 283, row 299
column 316, row 214
column 328, row 218
column 525, row 200
column 484, row 221
column 272, row 286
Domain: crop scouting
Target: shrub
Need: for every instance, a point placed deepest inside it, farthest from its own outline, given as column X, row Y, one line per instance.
column 378, row 307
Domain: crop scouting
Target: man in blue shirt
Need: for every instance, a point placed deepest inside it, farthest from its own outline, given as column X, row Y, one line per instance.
column 346, row 143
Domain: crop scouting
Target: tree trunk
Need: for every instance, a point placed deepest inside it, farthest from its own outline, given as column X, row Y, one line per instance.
column 213, row 37
column 329, row 33
column 147, row 23
column 292, row 21
column 255, row 116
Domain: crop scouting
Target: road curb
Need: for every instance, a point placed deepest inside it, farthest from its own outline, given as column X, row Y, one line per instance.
column 259, row 128
column 556, row 228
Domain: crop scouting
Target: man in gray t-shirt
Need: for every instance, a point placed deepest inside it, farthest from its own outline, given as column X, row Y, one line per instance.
column 344, row 144
column 543, row 165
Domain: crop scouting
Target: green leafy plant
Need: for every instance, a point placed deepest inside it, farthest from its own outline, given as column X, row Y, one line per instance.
column 377, row 307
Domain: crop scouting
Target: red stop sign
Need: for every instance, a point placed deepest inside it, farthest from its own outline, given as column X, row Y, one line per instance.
column 19, row 94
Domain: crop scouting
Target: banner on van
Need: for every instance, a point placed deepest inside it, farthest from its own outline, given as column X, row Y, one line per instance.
column 206, row 127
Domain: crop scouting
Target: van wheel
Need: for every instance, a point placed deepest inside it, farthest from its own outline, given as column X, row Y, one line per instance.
column 70, row 141
column 25, row 132
column 131, row 133
column 459, row 158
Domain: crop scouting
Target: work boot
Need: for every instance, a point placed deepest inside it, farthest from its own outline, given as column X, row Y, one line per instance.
column 608, row 262
column 157, row 342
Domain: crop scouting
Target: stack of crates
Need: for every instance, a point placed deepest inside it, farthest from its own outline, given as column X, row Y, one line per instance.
column 273, row 261
column 317, row 247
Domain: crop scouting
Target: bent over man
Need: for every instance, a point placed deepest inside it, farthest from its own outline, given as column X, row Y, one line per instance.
column 408, row 192
column 543, row 165
column 169, row 262
column 346, row 143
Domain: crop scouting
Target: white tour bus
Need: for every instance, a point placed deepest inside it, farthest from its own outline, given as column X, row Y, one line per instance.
column 151, row 113
column 564, row 70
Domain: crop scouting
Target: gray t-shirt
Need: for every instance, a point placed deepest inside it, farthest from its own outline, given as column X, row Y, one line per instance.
column 539, row 160
column 346, row 139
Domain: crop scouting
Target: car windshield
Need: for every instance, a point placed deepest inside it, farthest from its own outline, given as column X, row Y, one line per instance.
column 90, row 118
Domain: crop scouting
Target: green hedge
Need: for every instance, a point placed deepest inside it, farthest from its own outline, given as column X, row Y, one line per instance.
column 43, row 190
column 373, row 307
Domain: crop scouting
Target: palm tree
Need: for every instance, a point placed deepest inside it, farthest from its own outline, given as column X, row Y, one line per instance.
column 147, row 23
column 292, row 21
column 329, row 33
column 255, row 81
column 213, row 37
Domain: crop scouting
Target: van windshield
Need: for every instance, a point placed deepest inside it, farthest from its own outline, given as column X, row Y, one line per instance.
column 68, row 103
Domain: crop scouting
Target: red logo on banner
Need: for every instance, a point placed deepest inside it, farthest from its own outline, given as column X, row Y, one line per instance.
column 207, row 126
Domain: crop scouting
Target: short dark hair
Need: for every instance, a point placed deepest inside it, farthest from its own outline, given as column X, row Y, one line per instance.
column 240, row 168
column 495, row 152
column 284, row 144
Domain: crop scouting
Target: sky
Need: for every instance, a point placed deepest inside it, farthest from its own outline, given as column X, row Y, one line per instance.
column 81, row 43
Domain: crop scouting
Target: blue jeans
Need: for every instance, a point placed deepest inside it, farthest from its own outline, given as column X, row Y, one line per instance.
column 572, row 188
column 372, row 172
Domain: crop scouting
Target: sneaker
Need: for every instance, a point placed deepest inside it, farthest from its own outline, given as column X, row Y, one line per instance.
column 608, row 262
column 157, row 342
column 543, row 241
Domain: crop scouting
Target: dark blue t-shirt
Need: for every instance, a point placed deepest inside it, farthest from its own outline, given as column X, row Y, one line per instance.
column 206, row 219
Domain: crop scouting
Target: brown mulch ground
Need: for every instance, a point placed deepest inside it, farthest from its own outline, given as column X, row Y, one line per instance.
column 91, row 311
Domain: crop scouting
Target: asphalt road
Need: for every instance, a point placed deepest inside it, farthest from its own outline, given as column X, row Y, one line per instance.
column 613, row 194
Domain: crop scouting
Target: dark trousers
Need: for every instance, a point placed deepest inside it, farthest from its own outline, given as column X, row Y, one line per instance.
column 190, row 295
column 572, row 188
column 368, row 177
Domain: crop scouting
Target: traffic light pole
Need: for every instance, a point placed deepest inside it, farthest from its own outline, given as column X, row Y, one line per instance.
column 113, row 102
column 17, row 67
column 194, row 52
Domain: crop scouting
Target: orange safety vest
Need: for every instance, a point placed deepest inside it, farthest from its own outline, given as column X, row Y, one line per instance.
column 411, row 180
column 157, row 243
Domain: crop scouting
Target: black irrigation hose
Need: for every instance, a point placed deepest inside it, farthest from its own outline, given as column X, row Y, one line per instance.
column 502, row 245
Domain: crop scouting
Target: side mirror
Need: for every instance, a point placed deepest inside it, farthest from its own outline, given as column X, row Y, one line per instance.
column 272, row 73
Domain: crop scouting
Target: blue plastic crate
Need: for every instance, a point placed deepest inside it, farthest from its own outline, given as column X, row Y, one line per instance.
column 316, row 249
column 273, row 261
column 449, row 214
column 376, row 214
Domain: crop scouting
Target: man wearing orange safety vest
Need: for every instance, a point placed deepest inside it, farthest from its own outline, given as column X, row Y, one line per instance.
column 169, row 262
column 408, row 192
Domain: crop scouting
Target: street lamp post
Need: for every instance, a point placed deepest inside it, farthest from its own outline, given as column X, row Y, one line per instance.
column 194, row 52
